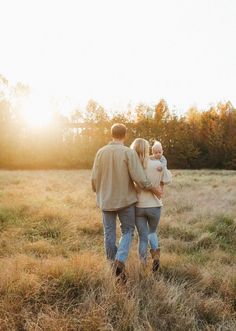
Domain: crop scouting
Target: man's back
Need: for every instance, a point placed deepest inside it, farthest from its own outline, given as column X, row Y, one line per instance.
column 111, row 177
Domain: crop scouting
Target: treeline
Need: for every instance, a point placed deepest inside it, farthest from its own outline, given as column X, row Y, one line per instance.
column 199, row 139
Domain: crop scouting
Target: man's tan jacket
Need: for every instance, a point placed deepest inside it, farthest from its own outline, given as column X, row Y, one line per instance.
column 115, row 169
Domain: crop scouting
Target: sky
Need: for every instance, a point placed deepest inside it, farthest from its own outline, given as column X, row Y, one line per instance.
column 123, row 51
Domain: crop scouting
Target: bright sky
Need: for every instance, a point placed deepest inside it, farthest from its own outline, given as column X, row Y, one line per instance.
column 122, row 51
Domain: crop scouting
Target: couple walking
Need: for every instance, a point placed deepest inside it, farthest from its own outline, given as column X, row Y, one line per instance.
column 129, row 184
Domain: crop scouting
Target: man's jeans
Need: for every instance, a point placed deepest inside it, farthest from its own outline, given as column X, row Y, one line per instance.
column 147, row 220
column 127, row 224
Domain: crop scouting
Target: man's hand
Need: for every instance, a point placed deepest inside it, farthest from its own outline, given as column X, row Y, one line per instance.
column 137, row 188
column 157, row 191
column 162, row 187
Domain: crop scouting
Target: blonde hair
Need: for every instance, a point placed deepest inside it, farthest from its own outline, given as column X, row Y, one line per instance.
column 141, row 146
column 157, row 144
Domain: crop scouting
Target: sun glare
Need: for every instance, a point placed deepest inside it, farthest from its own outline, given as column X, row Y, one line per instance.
column 36, row 113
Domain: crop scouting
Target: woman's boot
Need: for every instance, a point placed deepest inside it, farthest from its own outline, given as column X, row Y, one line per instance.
column 155, row 253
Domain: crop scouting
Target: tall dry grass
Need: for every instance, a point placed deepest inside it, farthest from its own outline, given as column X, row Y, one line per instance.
column 53, row 275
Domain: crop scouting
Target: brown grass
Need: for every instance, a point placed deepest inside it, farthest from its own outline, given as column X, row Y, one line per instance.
column 53, row 274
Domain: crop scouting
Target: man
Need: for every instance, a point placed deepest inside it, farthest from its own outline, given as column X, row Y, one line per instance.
column 115, row 169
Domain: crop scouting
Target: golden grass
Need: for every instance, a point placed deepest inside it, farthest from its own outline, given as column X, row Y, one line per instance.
column 53, row 274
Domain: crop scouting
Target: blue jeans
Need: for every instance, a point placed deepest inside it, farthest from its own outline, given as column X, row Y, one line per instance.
column 147, row 220
column 127, row 225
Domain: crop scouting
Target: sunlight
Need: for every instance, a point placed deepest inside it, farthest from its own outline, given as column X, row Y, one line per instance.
column 36, row 113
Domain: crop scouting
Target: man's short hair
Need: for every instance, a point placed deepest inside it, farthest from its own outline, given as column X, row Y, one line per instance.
column 118, row 130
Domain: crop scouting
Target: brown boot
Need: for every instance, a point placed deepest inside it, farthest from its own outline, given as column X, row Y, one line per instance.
column 119, row 271
column 155, row 253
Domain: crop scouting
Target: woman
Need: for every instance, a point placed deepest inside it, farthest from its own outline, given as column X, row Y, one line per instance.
column 148, row 207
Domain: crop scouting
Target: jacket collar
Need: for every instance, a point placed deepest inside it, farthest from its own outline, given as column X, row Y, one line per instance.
column 116, row 143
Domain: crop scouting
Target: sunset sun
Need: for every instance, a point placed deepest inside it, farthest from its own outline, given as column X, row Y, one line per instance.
column 36, row 113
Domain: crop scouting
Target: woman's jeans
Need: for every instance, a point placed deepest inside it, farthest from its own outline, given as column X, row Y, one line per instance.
column 147, row 220
column 127, row 225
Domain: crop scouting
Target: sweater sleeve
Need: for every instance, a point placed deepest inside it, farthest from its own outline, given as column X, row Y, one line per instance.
column 94, row 174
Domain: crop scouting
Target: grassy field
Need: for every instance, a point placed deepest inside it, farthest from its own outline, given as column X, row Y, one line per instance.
column 53, row 275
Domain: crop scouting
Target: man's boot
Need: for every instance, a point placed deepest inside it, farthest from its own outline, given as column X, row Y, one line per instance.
column 155, row 253
column 119, row 271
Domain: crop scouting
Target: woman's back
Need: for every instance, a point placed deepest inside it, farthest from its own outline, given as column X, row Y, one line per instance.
column 145, row 198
